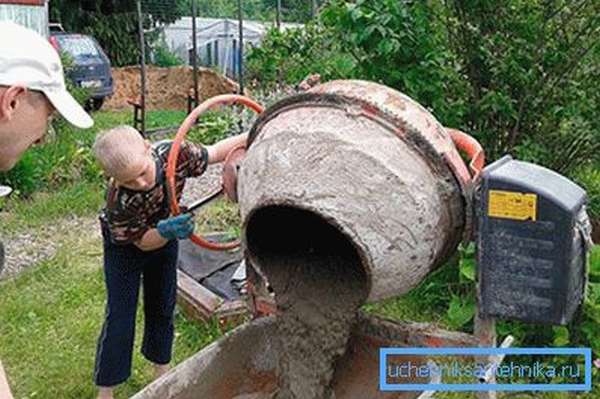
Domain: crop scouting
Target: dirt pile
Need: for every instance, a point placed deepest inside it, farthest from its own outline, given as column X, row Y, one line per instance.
column 167, row 88
column 319, row 285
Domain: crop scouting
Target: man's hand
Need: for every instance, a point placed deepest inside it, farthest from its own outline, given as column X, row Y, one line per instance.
column 309, row 82
column 180, row 227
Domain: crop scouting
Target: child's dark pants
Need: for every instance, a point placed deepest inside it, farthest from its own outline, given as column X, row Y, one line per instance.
column 124, row 266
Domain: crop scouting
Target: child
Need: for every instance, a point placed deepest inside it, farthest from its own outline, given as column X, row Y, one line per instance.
column 140, row 239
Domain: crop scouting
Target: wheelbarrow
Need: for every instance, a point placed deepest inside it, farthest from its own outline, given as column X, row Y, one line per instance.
column 243, row 364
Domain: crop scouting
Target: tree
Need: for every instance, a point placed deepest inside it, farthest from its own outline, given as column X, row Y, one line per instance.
column 524, row 81
column 114, row 22
column 262, row 10
column 530, row 71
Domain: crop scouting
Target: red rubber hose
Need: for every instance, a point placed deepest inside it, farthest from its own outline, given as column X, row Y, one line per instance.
column 471, row 148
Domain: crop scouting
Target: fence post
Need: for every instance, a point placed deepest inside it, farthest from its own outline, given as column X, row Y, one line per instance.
column 142, row 67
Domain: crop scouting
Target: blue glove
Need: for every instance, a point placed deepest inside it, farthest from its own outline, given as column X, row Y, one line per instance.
column 181, row 227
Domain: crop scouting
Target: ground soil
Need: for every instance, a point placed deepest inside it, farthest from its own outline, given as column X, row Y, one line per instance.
column 167, row 88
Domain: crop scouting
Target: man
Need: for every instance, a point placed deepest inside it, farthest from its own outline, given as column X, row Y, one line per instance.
column 32, row 87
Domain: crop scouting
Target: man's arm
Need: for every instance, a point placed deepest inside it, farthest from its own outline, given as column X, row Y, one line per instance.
column 218, row 152
column 4, row 388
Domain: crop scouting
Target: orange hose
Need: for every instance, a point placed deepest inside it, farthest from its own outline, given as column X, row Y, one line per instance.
column 188, row 123
column 471, row 148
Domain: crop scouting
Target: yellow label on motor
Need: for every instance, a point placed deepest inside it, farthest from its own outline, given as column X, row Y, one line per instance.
column 512, row 205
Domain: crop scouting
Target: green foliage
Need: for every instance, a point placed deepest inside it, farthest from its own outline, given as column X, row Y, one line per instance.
column 114, row 23
column 67, row 158
column 261, row 10
column 116, row 33
column 447, row 297
column 212, row 127
column 523, row 82
column 461, row 308
column 589, row 178
column 402, row 44
column 289, row 56
column 163, row 57
column 460, row 311
column 252, row 9
column 528, row 71
column 80, row 94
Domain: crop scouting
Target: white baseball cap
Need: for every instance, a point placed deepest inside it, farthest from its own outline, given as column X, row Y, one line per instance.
column 28, row 59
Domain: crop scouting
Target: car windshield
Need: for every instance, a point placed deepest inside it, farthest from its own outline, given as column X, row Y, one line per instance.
column 78, row 46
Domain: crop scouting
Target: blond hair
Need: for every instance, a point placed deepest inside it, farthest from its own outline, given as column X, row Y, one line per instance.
column 116, row 148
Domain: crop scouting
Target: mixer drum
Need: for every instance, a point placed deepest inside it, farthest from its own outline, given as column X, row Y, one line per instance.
column 366, row 159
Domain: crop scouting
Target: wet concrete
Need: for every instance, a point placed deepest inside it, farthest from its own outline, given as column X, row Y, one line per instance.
column 244, row 363
column 319, row 284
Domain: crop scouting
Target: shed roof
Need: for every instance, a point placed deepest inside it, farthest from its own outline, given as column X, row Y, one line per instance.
column 24, row 2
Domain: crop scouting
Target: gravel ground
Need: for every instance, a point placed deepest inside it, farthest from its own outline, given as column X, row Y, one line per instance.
column 199, row 187
column 28, row 248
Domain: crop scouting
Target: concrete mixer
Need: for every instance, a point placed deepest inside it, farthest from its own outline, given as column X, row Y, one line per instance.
column 363, row 176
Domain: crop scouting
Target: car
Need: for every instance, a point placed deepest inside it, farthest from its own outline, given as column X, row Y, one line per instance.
column 55, row 27
column 91, row 67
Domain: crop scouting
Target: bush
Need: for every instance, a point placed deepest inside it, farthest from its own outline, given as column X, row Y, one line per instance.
column 81, row 95
column 212, row 127
column 67, row 159
column 589, row 179
column 288, row 56
column 515, row 82
column 163, row 57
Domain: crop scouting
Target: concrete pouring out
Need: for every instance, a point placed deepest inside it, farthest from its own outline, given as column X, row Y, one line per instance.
column 319, row 284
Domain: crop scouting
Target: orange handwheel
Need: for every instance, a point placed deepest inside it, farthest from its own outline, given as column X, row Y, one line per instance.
column 227, row 99
column 472, row 149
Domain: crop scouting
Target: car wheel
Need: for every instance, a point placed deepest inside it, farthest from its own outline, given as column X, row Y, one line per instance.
column 97, row 104
column 94, row 104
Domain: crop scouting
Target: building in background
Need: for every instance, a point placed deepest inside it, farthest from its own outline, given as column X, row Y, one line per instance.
column 217, row 40
column 32, row 14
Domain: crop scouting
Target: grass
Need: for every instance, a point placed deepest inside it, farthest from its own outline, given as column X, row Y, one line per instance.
column 50, row 318
column 68, row 159
column 43, row 208
column 51, row 315
column 221, row 215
